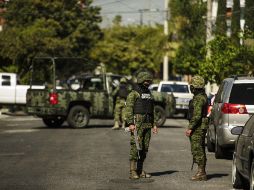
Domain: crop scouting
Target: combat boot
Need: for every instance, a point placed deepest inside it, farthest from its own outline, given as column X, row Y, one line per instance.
column 200, row 175
column 133, row 172
column 123, row 125
column 116, row 125
column 140, row 171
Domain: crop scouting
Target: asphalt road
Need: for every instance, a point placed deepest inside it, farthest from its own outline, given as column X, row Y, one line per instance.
column 33, row 156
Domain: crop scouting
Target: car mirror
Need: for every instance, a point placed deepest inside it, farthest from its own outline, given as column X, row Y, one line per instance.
column 237, row 130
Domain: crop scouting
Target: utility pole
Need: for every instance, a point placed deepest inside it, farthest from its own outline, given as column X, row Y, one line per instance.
column 209, row 26
column 242, row 20
column 165, row 60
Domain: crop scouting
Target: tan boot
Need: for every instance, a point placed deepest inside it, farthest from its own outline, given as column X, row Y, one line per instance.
column 133, row 172
column 116, row 125
column 123, row 125
column 200, row 175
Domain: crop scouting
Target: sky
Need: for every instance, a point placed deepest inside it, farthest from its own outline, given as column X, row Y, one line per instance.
column 132, row 11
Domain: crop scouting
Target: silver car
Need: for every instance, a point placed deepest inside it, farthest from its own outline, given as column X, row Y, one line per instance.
column 233, row 105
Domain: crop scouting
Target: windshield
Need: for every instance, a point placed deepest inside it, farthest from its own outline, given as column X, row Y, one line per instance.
column 178, row 88
column 242, row 94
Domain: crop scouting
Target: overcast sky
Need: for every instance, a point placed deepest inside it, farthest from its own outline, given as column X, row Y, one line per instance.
column 130, row 11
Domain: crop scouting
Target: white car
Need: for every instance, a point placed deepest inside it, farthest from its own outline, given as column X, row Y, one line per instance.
column 181, row 92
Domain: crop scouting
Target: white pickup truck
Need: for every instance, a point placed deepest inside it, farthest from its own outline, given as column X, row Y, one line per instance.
column 11, row 93
column 181, row 92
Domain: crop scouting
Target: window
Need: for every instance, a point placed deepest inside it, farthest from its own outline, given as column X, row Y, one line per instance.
column 242, row 94
column 6, row 80
column 93, row 84
column 178, row 88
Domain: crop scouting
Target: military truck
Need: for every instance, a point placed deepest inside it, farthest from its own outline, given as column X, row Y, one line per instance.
column 76, row 97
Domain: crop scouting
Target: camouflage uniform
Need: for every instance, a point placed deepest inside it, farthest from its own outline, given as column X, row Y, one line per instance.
column 198, row 125
column 140, row 112
column 121, row 93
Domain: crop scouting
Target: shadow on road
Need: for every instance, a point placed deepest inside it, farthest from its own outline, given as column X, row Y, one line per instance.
column 163, row 173
column 211, row 176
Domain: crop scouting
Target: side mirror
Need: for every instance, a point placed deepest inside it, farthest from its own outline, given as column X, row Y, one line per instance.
column 237, row 130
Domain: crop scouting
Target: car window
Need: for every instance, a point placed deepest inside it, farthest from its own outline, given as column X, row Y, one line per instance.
column 179, row 88
column 249, row 127
column 219, row 93
column 242, row 94
column 93, row 84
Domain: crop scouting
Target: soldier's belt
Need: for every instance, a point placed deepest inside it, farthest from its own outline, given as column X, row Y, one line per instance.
column 144, row 118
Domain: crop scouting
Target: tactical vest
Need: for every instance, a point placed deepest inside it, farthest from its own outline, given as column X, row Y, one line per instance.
column 191, row 109
column 144, row 104
column 123, row 91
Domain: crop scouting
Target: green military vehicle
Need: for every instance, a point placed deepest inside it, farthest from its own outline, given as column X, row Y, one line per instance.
column 75, row 97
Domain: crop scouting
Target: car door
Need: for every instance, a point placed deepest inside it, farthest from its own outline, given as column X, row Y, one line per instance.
column 215, row 115
column 244, row 145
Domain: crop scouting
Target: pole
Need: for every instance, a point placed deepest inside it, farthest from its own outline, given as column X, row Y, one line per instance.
column 209, row 26
column 165, row 60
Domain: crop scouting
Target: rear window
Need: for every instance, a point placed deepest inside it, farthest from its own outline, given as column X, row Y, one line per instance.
column 242, row 94
column 178, row 88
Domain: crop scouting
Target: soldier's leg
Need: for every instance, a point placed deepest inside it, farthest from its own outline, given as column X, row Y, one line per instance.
column 116, row 115
column 146, row 136
column 133, row 158
column 122, row 115
column 199, row 155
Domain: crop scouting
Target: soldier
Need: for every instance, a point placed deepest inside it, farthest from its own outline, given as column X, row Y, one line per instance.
column 140, row 118
column 198, row 124
column 121, row 92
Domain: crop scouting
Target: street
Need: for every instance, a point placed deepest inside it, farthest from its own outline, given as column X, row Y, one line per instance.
column 36, row 157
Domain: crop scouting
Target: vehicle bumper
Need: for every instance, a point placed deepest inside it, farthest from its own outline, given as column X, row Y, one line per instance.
column 225, row 138
column 45, row 111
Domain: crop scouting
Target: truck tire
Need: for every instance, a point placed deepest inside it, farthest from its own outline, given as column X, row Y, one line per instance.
column 53, row 121
column 78, row 117
column 237, row 179
column 210, row 144
column 219, row 154
column 160, row 115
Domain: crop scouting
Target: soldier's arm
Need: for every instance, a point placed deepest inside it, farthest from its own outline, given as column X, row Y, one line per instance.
column 114, row 93
column 197, row 113
column 129, row 107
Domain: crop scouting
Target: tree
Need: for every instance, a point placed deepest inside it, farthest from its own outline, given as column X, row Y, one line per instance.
column 227, row 59
column 187, row 27
column 124, row 49
column 47, row 28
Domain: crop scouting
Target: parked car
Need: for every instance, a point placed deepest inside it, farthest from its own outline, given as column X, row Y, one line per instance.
column 243, row 157
column 233, row 105
column 153, row 87
column 181, row 92
column 11, row 92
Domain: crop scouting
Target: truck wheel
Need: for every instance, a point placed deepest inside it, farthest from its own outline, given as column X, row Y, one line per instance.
column 218, row 149
column 160, row 115
column 78, row 117
column 53, row 122
column 237, row 179
column 210, row 144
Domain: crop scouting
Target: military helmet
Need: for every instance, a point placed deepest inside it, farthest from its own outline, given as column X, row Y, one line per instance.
column 197, row 82
column 144, row 76
column 123, row 80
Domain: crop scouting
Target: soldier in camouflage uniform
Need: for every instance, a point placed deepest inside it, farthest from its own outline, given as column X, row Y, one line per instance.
column 198, row 124
column 140, row 116
column 121, row 92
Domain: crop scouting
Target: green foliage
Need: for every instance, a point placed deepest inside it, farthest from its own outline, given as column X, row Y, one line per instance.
column 227, row 59
column 124, row 49
column 187, row 26
column 47, row 28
